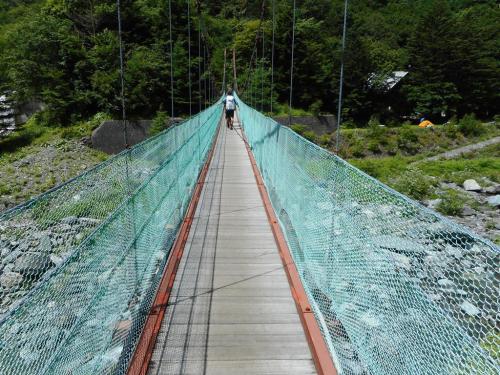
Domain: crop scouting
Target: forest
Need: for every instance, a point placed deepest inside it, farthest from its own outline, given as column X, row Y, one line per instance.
column 65, row 53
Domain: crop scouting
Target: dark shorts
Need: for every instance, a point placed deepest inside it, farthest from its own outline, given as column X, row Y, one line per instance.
column 229, row 113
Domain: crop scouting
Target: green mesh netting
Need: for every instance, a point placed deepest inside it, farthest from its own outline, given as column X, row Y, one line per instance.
column 81, row 263
column 395, row 287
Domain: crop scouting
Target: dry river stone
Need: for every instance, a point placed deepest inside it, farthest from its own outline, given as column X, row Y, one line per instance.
column 32, row 263
column 11, row 280
column 471, row 185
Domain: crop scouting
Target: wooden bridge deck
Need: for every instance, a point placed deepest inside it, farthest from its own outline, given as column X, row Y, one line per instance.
column 231, row 310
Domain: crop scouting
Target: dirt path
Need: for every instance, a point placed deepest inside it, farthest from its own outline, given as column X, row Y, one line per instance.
column 462, row 150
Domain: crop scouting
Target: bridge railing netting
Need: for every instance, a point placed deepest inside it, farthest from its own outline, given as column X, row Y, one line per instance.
column 395, row 287
column 80, row 264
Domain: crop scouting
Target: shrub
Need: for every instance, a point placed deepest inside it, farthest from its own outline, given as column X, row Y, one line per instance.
column 309, row 135
column 408, row 140
column 452, row 204
column 451, row 131
column 315, row 107
column 374, row 146
column 357, row 148
column 414, row 184
column 470, row 126
column 299, row 129
column 325, row 140
column 159, row 123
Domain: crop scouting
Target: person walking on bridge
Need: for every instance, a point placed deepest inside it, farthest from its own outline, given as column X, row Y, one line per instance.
column 229, row 107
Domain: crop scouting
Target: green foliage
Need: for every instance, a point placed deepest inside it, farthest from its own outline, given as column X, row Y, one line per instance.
column 299, row 129
column 22, row 136
column 414, row 183
column 65, row 53
column 305, row 132
column 491, row 343
column 160, row 123
column 382, row 169
column 460, row 169
column 452, row 204
column 470, row 126
column 409, row 139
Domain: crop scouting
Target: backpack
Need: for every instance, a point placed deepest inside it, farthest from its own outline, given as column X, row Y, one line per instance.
column 229, row 102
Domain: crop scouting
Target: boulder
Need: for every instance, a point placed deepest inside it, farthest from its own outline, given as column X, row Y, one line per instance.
column 471, row 185
column 11, row 280
column 56, row 260
column 469, row 308
column 32, row 263
column 494, row 200
column 492, row 189
column 433, row 203
column 70, row 220
column 45, row 244
column 467, row 211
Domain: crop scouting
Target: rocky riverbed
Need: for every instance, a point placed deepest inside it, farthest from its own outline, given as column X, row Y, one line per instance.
column 35, row 169
column 28, row 255
column 480, row 210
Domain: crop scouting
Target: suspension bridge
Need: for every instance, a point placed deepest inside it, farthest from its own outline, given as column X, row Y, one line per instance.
column 209, row 250
column 204, row 250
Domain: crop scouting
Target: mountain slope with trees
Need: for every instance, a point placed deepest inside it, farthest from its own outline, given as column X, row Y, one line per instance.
column 65, row 53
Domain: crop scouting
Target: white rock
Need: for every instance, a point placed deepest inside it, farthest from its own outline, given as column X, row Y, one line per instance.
column 433, row 203
column 453, row 251
column 446, row 283
column 10, row 280
column 56, row 260
column 402, row 261
column 467, row 211
column 370, row 320
column 471, row 185
column 494, row 200
column 398, row 244
column 469, row 308
column 113, row 355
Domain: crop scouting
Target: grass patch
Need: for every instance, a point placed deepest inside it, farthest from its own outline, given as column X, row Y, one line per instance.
column 305, row 132
column 22, row 137
column 44, row 159
column 460, row 169
column 383, row 169
column 418, row 178
column 36, row 132
column 410, row 140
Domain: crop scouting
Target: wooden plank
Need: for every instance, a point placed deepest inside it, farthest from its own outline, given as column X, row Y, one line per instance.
column 231, row 310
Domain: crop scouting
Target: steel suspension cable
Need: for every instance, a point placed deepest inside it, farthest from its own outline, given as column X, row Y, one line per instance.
column 254, row 51
column 272, row 56
column 125, row 135
column 122, row 78
column 291, row 67
column 255, row 76
column 341, row 83
column 171, row 60
column 189, row 56
column 262, row 75
column 204, row 76
column 209, row 84
column 199, row 63
column 224, row 73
